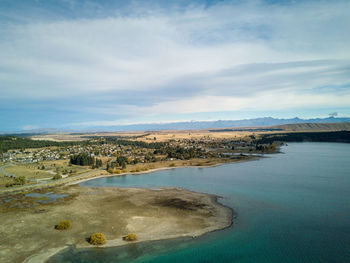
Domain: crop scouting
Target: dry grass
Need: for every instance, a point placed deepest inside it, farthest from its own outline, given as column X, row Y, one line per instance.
column 29, row 172
column 29, row 230
column 35, row 171
column 161, row 136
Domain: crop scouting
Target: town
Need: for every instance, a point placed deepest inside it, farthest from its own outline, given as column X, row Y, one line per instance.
column 114, row 155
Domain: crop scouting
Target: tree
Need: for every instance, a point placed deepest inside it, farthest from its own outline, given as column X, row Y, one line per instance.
column 82, row 159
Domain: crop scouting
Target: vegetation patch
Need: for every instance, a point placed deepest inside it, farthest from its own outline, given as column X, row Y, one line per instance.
column 56, row 177
column 98, row 239
column 85, row 159
column 180, row 204
column 21, row 180
column 64, row 225
column 130, row 237
column 336, row 136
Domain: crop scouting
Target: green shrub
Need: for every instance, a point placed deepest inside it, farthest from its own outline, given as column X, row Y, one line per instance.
column 21, row 180
column 130, row 237
column 63, row 225
column 98, row 239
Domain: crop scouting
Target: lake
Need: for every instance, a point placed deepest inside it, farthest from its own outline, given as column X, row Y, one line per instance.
column 289, row 207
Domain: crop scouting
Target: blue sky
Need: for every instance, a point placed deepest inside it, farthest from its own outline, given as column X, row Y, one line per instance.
column 76, row 64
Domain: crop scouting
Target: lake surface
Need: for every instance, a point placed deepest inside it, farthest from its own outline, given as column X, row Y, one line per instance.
column 290, row 207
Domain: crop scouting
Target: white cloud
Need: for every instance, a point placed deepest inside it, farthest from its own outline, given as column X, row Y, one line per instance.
column 203, row 59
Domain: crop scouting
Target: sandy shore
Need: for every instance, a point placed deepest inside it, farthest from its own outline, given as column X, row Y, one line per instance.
column 250, row 158
column 99, row 173
column 152, row 214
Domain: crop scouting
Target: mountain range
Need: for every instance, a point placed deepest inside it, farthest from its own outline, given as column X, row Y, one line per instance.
column 192, row 125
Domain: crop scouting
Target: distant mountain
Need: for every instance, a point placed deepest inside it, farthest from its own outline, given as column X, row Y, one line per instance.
column 191, row 125
column 25, row 133
column 199, row 125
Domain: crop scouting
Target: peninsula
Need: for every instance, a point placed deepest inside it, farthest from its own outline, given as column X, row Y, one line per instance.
column 28, row 220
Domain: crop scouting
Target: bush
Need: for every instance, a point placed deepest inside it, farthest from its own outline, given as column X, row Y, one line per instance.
column 130, row 237
column 63, row 225
column 21, row 180
column 56, row 177
column 98, row 239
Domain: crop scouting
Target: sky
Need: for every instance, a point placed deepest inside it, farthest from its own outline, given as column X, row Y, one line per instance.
column 79, row 64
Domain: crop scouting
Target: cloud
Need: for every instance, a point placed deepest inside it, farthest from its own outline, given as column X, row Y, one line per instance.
column 29, row 127
column 223, row 56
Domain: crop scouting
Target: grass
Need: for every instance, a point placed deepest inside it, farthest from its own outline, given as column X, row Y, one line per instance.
column 51, row 168
column 62, row 166
column 27, row 171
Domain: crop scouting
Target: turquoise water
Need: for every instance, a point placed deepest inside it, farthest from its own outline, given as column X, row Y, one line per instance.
column 289, row 207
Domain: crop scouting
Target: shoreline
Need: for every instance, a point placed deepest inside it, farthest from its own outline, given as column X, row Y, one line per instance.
column 251, row 158
column 160, row 214
column 42, row 257
column 76, row 180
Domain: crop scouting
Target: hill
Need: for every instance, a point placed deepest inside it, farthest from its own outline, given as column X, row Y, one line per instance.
column 343, row 126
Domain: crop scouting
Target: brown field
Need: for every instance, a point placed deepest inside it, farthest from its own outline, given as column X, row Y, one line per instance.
column 205, row 134
column 158, row 136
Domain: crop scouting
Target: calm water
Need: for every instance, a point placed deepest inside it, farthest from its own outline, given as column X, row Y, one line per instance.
column 290, row 207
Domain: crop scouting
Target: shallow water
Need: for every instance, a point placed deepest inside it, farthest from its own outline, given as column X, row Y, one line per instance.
column 47, row 197
column 290, row 207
